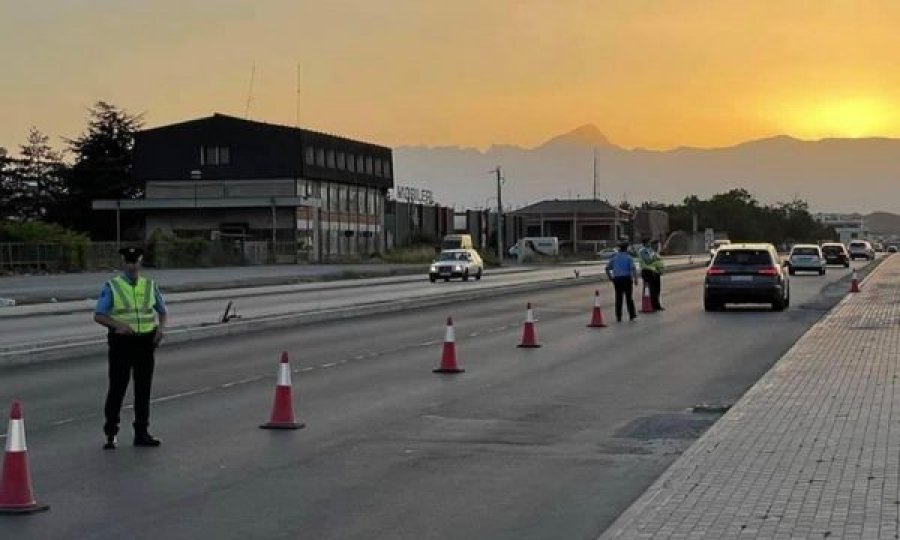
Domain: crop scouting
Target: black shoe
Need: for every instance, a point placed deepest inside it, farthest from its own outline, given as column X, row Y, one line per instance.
column 146, row 440
column 110, row 442
column 660, row 308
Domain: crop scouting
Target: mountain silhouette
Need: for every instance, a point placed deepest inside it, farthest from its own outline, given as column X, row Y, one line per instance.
column 833, row 175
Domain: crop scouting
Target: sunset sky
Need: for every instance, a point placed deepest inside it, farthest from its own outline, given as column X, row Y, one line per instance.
column 649, row 73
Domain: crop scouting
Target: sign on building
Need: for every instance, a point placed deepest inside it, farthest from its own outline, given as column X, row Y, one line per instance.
column 413, row 195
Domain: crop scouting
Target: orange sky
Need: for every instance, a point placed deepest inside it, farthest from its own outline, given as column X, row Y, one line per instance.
column 649, row 73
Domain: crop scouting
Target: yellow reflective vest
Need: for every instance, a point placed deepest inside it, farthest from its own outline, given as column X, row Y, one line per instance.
column 650, row 260
column 134, row 304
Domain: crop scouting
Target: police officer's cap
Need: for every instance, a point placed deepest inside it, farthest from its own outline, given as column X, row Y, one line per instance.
column 131, row 254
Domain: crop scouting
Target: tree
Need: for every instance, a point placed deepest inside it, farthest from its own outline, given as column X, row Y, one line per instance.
column 36, row 182
column 6, row 185
column 103, row 159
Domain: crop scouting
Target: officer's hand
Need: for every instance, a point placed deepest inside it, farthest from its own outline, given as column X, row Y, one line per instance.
column 124, row 330
column 157, row 339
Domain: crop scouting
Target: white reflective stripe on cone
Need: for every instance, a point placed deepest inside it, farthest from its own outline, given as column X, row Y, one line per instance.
column 284, row 375
column 451, row 334
column 596, row 301
column 530, row 316
column 15, row 438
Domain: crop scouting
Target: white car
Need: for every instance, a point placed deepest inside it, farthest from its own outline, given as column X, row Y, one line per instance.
column 861, row 249
column 806, row 258
column 456, row 263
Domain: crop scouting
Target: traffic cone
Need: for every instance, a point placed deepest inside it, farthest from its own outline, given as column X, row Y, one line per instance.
column 529, row 337
column 646, row 305
column 15, row 482
column 854, row 282
column 283, row 408
column 597, row 315
column 448, row 359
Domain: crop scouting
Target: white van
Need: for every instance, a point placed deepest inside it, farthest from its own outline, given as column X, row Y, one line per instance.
column 457, row 241
column 531, row 246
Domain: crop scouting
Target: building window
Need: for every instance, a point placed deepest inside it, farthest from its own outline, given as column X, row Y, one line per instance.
column 359, row 164
column 310, row 155
column 369, row 165
column 329, row 160
column 215, row 155
column 378, row 170
column 341, row 161
column 387, row 168
column 351, row 163
column 320, row 157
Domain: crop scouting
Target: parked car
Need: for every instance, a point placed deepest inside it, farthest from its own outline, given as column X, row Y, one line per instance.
column 806, row 258
column 892, row 249
column 861, row 249
column 746, row 274
column 456, row 263
column 606, row 253
column 716, row 245
column 836, row 253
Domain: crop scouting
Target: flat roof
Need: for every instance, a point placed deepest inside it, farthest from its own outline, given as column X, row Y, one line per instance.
column 200, row 203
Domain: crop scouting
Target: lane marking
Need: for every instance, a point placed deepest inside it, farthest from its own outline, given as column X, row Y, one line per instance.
column 427, row 343
column 203, row 390
column 359, row 357
column 63, row 421
column 328, row 365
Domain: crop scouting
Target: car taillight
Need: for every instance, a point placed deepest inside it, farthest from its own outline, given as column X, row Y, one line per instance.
column 770, row 271
column 715, row 272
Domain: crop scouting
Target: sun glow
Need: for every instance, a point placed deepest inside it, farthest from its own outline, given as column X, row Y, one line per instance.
column 862, row 117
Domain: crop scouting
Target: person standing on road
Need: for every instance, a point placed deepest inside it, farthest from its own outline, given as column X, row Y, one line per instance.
column 651, row 271
column 129, row 306
column 623, row 273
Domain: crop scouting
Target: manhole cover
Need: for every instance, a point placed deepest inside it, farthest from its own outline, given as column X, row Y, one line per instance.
column 666, row 426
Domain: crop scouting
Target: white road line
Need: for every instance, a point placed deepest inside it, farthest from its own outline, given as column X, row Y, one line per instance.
column 310, row 368
column 182, row 394
column 474, row 334
column 249, row 380
column 328, row 365
column 427, row 344
column 61, row 422
column 360, row 357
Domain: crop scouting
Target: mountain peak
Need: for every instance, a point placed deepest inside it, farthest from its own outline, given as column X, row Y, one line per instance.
column 586, row 135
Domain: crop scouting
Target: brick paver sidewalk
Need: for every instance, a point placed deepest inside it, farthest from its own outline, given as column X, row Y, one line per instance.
column 811, row 451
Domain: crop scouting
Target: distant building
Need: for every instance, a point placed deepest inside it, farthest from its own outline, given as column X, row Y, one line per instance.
column 580, row 224
column 295, row 190
column 847, row 226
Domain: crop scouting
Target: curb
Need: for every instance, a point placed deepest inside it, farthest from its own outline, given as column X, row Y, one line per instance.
column 62, row 351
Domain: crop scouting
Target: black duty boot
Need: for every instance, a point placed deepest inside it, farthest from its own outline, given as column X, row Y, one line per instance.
column 145, row 439
column 110, row 442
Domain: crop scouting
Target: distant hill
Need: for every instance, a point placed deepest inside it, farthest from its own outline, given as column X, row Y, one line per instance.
column 883, row 223
column 833, row 175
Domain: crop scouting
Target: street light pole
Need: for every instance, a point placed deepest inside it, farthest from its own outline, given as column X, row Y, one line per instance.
column 499, row 218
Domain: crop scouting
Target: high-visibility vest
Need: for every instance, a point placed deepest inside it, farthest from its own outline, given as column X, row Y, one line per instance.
column 134, row 305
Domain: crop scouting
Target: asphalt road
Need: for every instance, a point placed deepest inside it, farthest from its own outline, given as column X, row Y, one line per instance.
column 68, row 325
column 527, row 444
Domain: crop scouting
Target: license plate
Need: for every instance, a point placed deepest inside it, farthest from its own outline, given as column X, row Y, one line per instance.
column 741, row 278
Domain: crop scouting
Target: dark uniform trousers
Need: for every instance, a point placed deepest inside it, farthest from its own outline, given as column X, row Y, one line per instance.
column 654, row 283
column 623, row 287
column 129, row 354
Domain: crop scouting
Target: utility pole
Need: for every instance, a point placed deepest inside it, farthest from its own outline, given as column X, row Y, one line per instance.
column 595, row 174
column 499, row 172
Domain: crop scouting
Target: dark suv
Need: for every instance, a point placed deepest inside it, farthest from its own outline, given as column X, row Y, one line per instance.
column 836, row 253
column 746, row 274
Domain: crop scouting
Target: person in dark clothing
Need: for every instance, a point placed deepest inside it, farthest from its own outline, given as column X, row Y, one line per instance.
column 129, row 306
column 623, row 273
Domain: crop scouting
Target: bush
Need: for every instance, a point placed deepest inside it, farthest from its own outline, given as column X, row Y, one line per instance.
column 74, row 246
column 411, row 255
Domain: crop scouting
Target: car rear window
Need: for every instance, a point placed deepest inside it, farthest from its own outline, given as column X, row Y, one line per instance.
column 832, row 249
column 743, row 257
column 806, row 251
column 857, row 244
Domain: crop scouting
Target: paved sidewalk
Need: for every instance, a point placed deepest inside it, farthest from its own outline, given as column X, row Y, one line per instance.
column 811, row 451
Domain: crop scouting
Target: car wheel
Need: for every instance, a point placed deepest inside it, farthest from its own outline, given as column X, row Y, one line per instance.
column 432, row 279
column 822, row 272
column 446, row 280
column 791, row 271
column 478, row 275
column 846, row 265
column 466, row 275
column 778, row 305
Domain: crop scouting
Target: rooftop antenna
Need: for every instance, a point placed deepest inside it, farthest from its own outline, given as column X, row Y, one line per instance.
column 250, row 91
column 299, row 81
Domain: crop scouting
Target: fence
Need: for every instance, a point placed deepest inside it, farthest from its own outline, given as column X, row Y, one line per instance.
column 38, row 257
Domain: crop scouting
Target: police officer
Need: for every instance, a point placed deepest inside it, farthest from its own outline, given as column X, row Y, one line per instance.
column 651, row 271
column 129, row 306
column 621, row 270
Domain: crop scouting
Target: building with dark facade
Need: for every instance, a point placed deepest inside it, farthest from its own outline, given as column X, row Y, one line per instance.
column 222, row 177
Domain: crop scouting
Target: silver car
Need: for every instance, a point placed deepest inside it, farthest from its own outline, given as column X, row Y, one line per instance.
column 456, row 263
column 806, row 258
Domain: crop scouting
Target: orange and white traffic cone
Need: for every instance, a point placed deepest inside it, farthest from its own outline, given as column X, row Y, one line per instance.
column 283, row 408
column 597, row 315
column 529, row 336
column 15, row 483
column 448, row 358
column 854, row 282
column 646, row 304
